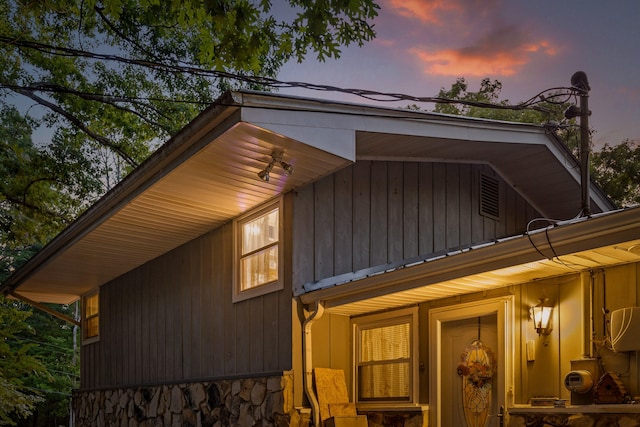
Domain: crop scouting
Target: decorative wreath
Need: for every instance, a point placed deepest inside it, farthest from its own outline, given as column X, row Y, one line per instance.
column 480, row 372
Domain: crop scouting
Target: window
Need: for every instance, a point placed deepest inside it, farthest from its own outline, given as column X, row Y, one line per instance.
column 385, row 357
column 257, row 253
column 91, row 318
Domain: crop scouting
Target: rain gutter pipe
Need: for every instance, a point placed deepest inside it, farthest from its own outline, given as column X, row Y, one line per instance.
column 307, row 361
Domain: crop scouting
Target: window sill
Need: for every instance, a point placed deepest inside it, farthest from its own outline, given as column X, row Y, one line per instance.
column 91, row 340
column 387, row 407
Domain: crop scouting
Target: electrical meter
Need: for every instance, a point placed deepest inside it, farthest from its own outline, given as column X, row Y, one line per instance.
column 578, row 381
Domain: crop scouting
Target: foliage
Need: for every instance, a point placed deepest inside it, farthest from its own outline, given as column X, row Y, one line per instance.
column 17, row 363
column 110, row 79
column 550, row 109
column 125, row 73
column 617, row 170
column 53, row 341
column 43, row 188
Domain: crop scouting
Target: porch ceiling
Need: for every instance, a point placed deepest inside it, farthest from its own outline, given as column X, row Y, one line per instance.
column 518, row 274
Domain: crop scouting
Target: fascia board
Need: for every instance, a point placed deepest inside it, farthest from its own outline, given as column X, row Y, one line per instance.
column 315, row 129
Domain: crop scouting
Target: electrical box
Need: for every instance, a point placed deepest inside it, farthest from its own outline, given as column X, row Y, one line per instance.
column 625, row 329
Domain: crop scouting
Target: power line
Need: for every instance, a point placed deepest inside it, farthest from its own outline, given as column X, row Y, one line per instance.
column 551, row 95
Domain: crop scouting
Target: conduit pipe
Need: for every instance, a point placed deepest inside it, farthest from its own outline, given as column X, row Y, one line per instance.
column 307, row 360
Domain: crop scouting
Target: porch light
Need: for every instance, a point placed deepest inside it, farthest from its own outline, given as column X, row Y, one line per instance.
column 541, row 315
column 276, row 158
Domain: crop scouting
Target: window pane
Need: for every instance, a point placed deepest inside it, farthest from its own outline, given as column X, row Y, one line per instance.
column 259, row 268
column 389, row 381
column 260, row 232
column 92, row 326
column 385, row 343
column 91, row 305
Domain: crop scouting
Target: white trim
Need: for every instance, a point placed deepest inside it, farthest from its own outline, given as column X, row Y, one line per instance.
column 83, row 318
column 503, row 308
column 239, row 295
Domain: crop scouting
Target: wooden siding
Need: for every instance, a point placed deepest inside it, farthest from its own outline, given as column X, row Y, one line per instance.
column 172, row 320
column 376, row 212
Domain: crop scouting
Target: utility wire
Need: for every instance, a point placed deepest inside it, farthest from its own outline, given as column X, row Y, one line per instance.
column 556, row 95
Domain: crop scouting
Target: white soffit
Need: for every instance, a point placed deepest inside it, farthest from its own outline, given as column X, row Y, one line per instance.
column 204, row 191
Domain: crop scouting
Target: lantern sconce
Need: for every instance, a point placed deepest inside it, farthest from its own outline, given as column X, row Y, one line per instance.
column 541, row 315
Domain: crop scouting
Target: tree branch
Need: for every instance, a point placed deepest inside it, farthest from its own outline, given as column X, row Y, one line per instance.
column 78, row 123
column 105, row 99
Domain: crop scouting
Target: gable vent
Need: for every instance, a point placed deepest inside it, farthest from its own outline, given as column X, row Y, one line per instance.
column 489, row 197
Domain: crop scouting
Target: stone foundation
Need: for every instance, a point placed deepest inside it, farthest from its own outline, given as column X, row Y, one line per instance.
column 397, row 418
column 247, row 402
column 576, row 416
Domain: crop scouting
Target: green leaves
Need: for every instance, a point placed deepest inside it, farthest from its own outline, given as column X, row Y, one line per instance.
column 106, row 81
column 617, row 169
column 16, row 364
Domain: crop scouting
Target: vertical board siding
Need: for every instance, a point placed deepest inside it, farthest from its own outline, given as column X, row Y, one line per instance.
column 391, row 211
column 361, row 215
column 410, row 211
column 173, row 319
column 379, row 205
column 343, row 226
column 395, row 210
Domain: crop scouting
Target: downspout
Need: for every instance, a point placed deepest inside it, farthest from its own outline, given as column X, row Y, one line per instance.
column 307, row 360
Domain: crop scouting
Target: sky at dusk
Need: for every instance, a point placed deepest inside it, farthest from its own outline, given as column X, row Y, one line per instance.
column 529, row 46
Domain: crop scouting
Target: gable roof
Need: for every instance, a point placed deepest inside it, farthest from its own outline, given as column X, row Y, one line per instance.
column 207, row 174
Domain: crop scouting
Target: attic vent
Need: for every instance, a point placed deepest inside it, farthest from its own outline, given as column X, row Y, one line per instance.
column 489, row 197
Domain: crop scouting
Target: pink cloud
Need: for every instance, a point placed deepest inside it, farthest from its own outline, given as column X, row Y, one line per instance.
column 424, row 10
column 384, row 42
column 502, row 52
column 453, row 63
column 441, row 12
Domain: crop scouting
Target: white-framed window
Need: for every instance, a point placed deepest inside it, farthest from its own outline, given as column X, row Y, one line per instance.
column 258, row 256
column 91, row 317
column 386, row 358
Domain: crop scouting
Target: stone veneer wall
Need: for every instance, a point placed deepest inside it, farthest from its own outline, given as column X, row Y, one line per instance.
column 266, row 402
column 397, row 419
column 574, row 420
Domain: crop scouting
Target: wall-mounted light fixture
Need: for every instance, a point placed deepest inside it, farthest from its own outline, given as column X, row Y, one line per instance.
column 541, row 315
column 276, row 158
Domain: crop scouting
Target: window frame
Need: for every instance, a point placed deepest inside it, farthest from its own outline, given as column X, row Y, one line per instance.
column 390, row 318
column 85, row 318
column 269, row 287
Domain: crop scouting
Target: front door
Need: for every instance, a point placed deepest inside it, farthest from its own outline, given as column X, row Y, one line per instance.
column 467, row 402
column 469, row 373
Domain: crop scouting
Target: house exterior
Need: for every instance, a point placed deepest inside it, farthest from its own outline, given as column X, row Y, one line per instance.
column 274, row 235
